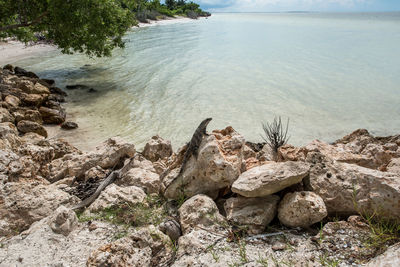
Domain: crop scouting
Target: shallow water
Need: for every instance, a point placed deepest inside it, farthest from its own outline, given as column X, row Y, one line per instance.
column 329, row 73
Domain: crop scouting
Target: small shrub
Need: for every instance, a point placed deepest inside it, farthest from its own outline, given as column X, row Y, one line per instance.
column 275, row 135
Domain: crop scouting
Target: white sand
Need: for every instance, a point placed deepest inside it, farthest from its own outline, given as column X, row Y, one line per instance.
column 13, row 51
column 166, row 21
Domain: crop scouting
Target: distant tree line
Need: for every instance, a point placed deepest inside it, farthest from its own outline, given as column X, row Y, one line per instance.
column 94, row 27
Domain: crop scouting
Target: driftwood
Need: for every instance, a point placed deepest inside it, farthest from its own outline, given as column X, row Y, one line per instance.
column 109, row 180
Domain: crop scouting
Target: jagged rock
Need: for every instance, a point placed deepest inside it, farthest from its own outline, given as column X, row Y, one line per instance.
column 348, row 189
column 5, row 116
column 41, row 246
column 12, row 101
column 26, row 86
column 21, row 204
column 58, row 91
column 30, row 126
column 391, row 257
column 199, row 210
column 157, row 148
column 171, row 228
column 69, row 125
column 95, row 173
column 40, row 89
column 218, row 164
column 52, row 116
column 270, row 178
column 34, row 100
column 33, row 115
column 63, row 221
column 394, row 166
column 32, row 138
column 107, row 155
column 114, row 195
column 147, row 180
column 9, row 136
column 255, row 213
column 301, row 209
column 145, row 247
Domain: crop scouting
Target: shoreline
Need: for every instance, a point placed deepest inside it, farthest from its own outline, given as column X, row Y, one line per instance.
column 12, row 51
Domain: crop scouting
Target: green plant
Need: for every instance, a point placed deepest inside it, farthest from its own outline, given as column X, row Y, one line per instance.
column 243, row 252
column 326, row 261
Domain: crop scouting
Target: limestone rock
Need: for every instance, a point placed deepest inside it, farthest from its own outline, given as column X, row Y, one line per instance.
column 95, row 173
column 171, row 228
column 255, row 213
column 30, row 126
column 63, row 221
column 34, row 100
column 69, row 125
column 270, row 178
column 394, row 166
column 40, row 89
column 21, row 204
column 301, row 209
column 145, row 247
column 114, row 195
column 199, row 210
column 5, row 116
column 52, row 116
column 145, row 179
column 348, row 189
column 107, row 155
column 33, row 115
column 218, row 165
column 389, row 258
column 157, row 148
column 12, row 101
column 9, row 138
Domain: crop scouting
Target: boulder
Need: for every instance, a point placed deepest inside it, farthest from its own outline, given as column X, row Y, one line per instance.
column 254, row 213
column 107, row 155
column 349, row 189
column 5, row 116
column 63, row 221
column 157, row 148
column 12, row 101
column 30, row 126
column 21, row 204
column 270, row 178
column 21, row 72
column 32, row 138
column 34, row 100
column 201, row 211
column 301, row 209
column 115, row 195
column 171, row 228
column 394, row 166
column 52, row 116
column 145, row 247
column 9, row 138
column 391, row 257
column 69, row 125
column 40, row 89
column 218, row 165
column 33, row 115
column 147, row 180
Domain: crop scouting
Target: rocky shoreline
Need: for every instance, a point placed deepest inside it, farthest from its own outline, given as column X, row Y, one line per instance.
column 318, row 205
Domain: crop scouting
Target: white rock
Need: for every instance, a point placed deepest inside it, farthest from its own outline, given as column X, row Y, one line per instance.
column 255, row 213
column 270, row 178
column 114, row 195
column 390, row 258
column 63, row 221
column 199, row 210
column 301, row 209
column 147, row 180
column 157, row 148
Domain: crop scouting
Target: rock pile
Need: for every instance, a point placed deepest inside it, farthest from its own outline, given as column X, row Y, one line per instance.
column 220, row 211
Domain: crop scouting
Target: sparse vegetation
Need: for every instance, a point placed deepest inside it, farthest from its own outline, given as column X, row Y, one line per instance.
column 138, row 214
column 276, row 134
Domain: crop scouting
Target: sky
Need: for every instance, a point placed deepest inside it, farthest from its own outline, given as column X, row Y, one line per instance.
column 299, row 5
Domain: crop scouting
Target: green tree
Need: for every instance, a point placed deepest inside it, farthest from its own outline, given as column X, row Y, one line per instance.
column 170, row 4
column 94, row 27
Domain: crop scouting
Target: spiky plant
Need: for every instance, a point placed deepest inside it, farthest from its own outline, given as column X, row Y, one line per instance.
column 276, row 134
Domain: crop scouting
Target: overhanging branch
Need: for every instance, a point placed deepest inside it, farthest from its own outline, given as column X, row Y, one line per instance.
column 20, row 25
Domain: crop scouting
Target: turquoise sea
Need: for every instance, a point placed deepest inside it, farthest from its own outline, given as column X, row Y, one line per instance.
column 328, row 73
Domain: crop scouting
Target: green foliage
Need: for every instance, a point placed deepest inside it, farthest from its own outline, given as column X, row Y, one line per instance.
column 93, row 27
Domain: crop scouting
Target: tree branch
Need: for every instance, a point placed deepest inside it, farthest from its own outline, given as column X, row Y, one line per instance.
column 20, row 25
